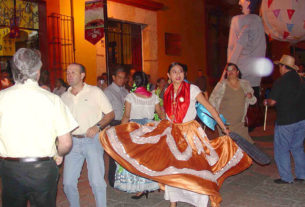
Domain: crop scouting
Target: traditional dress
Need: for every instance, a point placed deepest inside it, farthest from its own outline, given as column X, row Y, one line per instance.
column 142, row 112
column 177, row 152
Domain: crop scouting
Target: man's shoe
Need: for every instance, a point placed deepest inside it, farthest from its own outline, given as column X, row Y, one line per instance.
column 299, row 180
column 280, row 181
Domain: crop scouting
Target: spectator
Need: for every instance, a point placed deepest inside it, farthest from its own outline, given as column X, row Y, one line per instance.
column 44, row 80
column 159, row 91
column 5, row 80
column 30, row 120
column 129, row 81
column 60, row 87
column 288, row 96
column 88, row 104
column 201, row 82
column 232, row 97
column 116, row 93
column 102, row 81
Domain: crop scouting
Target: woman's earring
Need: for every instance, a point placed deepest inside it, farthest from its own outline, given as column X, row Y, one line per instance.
column 169, row 81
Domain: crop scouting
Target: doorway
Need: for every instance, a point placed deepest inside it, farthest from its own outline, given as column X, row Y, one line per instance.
column 124, row 44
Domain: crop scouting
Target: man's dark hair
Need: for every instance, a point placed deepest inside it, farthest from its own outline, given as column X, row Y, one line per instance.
column 118, row 68
column 82, row 67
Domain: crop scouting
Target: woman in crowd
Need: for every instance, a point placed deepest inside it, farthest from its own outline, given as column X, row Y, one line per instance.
column 232, row 97
column 140, row 106
column 5, row 80
column 176, row 152
column 44, row 80
column 160, row 88
column 60, row 87
column 102, row 81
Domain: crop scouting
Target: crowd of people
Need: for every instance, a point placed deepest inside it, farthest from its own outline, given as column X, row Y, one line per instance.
column 115, row 131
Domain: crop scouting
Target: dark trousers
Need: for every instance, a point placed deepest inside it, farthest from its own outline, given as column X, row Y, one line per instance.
column 257, row 93
column 111, row 163
column 33, row 181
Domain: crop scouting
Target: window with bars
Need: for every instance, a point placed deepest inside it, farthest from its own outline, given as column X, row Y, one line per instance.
column 124, row 44
column 61, row 44
column 19, row 27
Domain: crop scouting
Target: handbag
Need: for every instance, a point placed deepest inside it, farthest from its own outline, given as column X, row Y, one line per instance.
column 254, row 116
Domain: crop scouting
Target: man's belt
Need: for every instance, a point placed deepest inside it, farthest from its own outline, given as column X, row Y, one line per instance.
column 26, row 159
column 79, row 136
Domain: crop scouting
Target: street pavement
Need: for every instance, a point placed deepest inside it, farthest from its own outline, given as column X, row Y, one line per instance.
column 252, row 188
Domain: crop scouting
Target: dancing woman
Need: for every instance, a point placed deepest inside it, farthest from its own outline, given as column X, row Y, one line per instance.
column 176, row 152
column 140, row 106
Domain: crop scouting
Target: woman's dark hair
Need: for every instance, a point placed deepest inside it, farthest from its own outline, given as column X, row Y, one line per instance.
column 177, row 63
column 140, row 79
column 62, row 82
column 232, row 64
column 160, row 79
column 44, row 78
column 254, row 6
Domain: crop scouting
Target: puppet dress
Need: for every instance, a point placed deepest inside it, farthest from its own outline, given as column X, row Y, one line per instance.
column 190, row 167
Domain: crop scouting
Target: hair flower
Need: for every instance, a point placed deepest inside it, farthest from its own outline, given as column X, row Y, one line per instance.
column 181, row 99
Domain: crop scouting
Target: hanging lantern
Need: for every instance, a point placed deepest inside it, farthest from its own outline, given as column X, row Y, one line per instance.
column 284, row 20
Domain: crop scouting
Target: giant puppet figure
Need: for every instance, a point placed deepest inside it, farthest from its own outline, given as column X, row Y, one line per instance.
column 247, row 42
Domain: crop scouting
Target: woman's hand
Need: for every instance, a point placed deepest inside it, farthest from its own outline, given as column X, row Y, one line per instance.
column 223, row 73
column 226, row 131
column 249, row 95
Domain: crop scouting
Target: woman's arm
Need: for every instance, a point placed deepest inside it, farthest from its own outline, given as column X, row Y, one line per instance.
column 249, row 91
column 159, row 111
column 200, row 98
column 126, row 114
column 216, row 94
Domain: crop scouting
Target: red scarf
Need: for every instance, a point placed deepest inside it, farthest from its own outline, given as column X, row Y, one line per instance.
column 143, row 91
column 176, row 108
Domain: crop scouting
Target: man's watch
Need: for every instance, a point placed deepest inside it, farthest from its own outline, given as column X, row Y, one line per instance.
column 99, row 127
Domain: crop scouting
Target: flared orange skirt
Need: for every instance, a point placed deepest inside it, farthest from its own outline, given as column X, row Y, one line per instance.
column 179, row 155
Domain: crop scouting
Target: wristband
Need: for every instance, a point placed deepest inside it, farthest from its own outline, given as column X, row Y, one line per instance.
column 99, row 127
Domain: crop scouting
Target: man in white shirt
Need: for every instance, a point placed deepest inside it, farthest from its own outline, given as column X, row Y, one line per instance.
column 116, row 93
column 30, row 120
column 87, row 104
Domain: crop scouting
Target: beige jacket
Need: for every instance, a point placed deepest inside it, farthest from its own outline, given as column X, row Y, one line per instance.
column 219, row 90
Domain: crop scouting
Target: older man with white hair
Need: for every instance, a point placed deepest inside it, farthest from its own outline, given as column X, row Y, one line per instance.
column 30, row 120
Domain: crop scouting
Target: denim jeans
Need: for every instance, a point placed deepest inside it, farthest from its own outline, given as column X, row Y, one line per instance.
column 32, row 181
column 91, row 150
column 290, row 138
